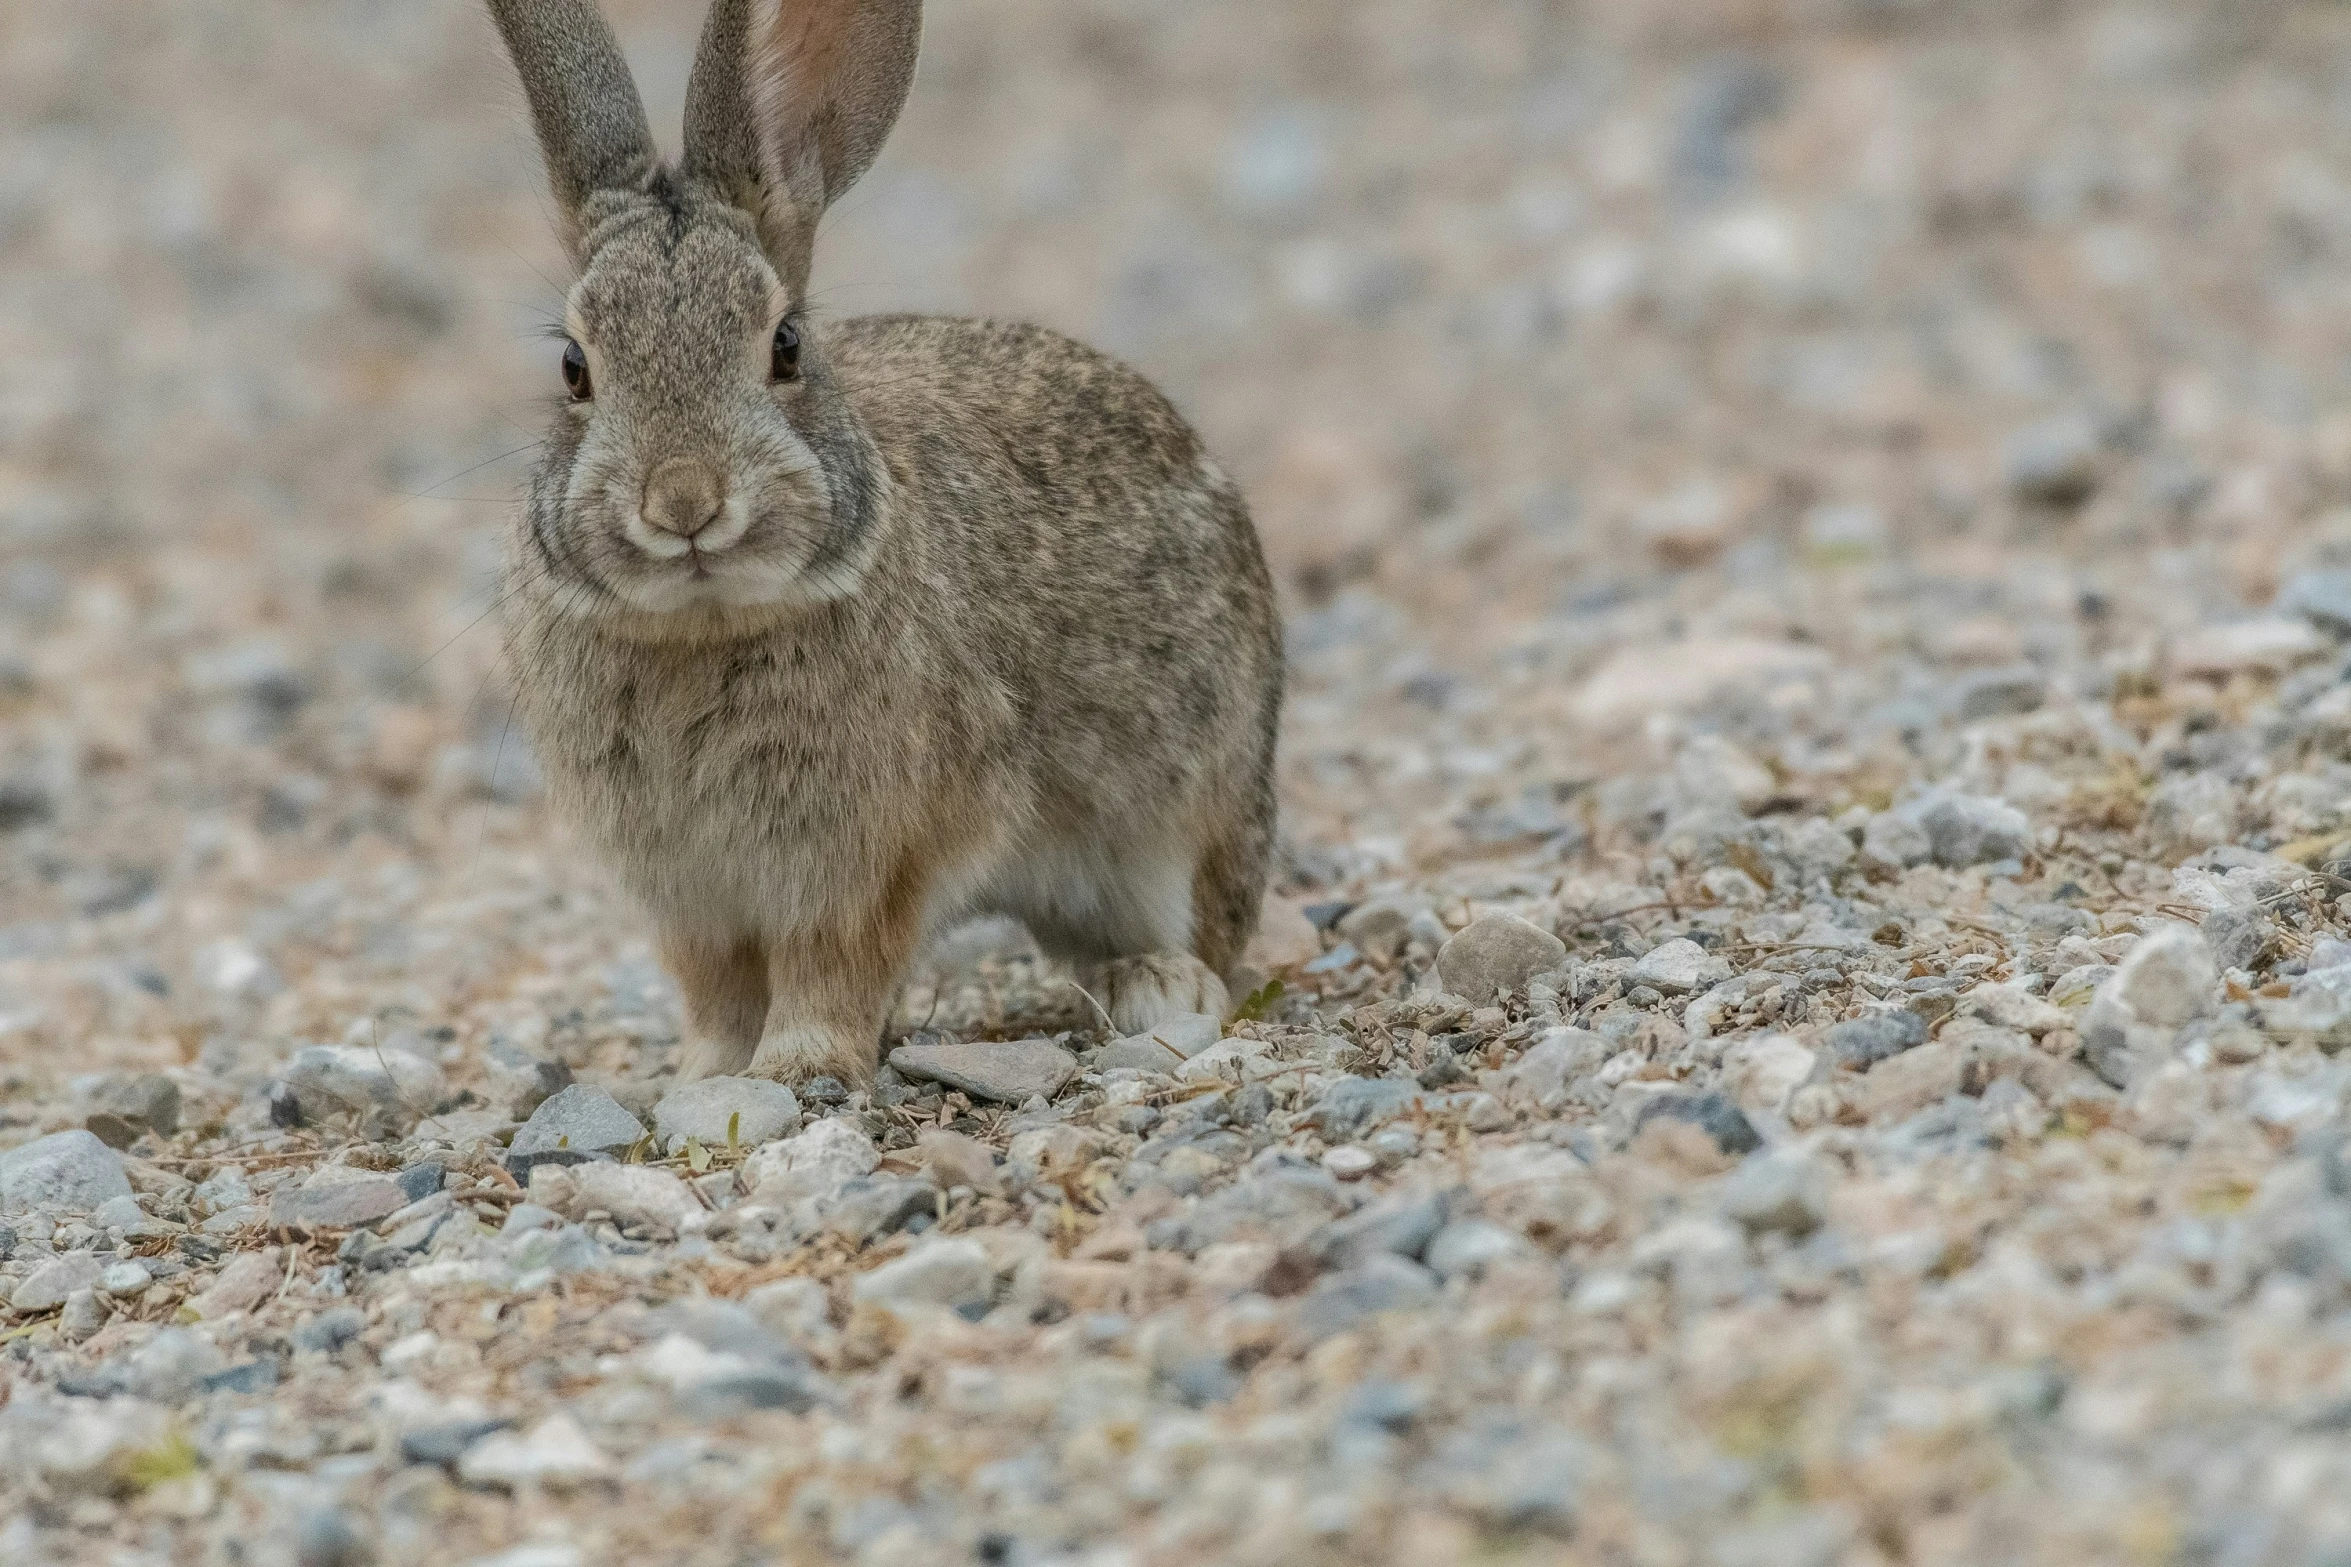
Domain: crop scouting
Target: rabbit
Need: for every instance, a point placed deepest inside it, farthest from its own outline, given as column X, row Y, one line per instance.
column 829, row 633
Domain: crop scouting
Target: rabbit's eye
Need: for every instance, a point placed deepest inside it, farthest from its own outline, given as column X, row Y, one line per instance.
column 784, row 358
column 575, row 371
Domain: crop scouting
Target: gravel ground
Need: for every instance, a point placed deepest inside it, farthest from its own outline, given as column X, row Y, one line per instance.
column 1814, row 916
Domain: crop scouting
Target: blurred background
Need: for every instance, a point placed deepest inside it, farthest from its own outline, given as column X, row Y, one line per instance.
column 1582, row 359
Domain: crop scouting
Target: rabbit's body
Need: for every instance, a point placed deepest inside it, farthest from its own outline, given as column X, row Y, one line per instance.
column 1008, row 715
column 947, row 617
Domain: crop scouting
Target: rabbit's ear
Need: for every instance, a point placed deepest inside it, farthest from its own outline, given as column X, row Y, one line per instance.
column 590, row 121
column 790, row 101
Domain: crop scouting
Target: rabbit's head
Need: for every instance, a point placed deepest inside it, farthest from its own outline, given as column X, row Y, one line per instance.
column 704, row 464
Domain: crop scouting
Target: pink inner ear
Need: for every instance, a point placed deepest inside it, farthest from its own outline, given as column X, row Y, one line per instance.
column 827, row 79
column 796, row 68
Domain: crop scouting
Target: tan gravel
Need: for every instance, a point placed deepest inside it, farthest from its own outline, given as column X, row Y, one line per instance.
column 1836, row 512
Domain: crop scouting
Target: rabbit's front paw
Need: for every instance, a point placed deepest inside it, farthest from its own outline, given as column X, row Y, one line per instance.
column 1142, row 993
column 802, row 1052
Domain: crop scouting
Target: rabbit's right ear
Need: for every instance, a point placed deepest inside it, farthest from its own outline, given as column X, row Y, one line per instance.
column 789, row 102
column 591, row 123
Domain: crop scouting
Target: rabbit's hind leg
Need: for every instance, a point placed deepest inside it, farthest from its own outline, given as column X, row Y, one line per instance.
column 1123, row 921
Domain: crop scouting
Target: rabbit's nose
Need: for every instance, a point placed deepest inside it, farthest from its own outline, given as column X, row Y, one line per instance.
column 682, row 498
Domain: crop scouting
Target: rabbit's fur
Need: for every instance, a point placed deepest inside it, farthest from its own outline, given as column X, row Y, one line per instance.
column 961, row 619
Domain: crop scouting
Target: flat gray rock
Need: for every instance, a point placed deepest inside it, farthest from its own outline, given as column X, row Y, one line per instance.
column 389, row 1087
column 1678, row 967
column 338, row 1197
column 758, row 1111
column 1164, row 1048
column 581, row 1119
column 1357, row 1104
column 1497, row 955
column 47, row 1286
column 1010, row 1072
column 69, row 1170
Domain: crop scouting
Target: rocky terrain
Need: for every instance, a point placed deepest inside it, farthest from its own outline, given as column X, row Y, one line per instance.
column 1813, row 930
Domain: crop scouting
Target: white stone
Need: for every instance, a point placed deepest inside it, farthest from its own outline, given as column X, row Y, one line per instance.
column 1763, row 1073
column 759, row 1111
column 948, row 1271
column 637, row 1196
column 2169, row 978
column 69, row 1170
column 1678, row 967
column 554, row 1453
column 820, row 1160
column 1496, row 955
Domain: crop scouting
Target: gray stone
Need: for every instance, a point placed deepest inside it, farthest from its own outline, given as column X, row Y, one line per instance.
column 331, row 1329
column 519, row 1082
column 1007, row 1072
column 125, row 1279
column 1678, row 967
column 327, row 1537
column 637, row 1196
column 2318, row 1012
column 1399, row 1226
column 1469, row 1248
column 1553, row 1062
column 798, row 1310
column 1164, row 1048
column 2054, row 462
column 73, row 1171
column 2240, row 938
column 2322, row 597
column 555, row 1453
column 249, row 1279
column 127, row 1108
column 1711, row 1113
column 170, row 1367
column 2010, row 1006
column 1895, row 839
column 581, row 1119
column 1381, row 927
column 528, row 1216
column 119, row 1213
column 819, row 1161
column 447, row 1442
column 1197, row 1381
column 1495, row 956
column 1138, row 1053
column 1862, row 1042
column 1783, row 1191
column 1187, row 1033
column 1380, row 1283
column 2168, row 978
column 1999, row 693
column 1354, row 1105
column 1512, row 1478
column 874, row 1206
column 953, row 1272
column 338, row 1197
column 1971, row 829
column 388, row 1087
column 754, row 1109
column 1282, row 1205
column 84, row 1313
column 47, row 1286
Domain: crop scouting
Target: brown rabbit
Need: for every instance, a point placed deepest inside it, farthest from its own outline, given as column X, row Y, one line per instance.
column 830, row 634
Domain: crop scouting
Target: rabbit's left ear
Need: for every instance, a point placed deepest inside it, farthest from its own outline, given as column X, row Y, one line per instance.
column 789, row 102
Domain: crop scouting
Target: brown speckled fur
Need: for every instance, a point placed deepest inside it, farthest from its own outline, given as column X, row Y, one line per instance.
column 988, row 631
